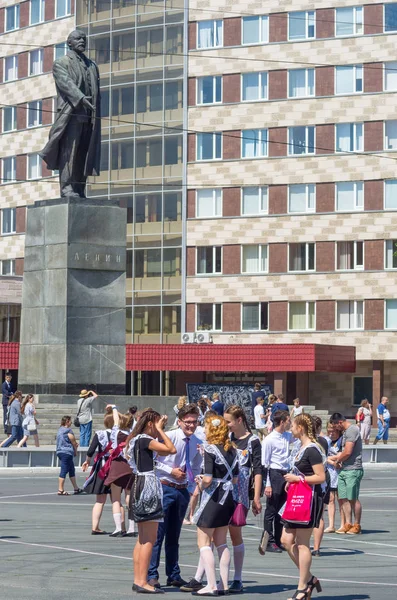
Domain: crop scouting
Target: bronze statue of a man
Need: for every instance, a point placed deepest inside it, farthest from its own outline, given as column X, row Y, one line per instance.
column 74, row 144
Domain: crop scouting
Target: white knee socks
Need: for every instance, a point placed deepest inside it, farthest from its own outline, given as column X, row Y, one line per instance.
column 238, row 555
column 200, row 568
column 208, row 560
column 224, row 566
column 131, row 526
column 117, row 521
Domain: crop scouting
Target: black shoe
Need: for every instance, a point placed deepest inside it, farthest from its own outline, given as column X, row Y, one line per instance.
column 192, row 586
column 96, row 532
column 154, row 583
column 214, row 593
column 117, row 534
column 142, row 590
column 236, row 587
column 178, row 583
column 132, row 534
column 316, row 553
column 223, row 593
column 273, row 548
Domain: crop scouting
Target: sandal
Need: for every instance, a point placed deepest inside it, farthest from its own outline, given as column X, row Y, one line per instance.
column 78, row 491
column 314, row 583
column 306, row 595
column 62, row 493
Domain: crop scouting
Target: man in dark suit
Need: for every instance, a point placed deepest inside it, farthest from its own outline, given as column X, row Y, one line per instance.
column 74, row 143
column 7, row 390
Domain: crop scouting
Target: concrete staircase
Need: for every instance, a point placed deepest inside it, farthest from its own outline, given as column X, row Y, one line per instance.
column 50, row 415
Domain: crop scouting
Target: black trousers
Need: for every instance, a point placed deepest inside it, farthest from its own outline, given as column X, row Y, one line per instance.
column 5, row 407
column 272, row 520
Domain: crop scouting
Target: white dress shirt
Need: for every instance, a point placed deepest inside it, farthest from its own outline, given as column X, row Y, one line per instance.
column 275, row 452
column 165, row 464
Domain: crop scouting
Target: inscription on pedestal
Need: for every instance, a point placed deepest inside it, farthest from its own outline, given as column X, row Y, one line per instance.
column 101, row 258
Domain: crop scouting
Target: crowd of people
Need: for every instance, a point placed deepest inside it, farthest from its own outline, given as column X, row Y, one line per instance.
column 210, row 470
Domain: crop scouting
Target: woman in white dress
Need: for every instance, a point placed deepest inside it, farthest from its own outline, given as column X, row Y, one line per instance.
column 364, row 415
column 30, row 422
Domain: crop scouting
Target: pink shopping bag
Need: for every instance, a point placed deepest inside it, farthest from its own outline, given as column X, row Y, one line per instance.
column 298, row 506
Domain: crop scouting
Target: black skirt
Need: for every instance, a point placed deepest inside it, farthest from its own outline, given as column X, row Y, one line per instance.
column 316, row 513
column 96, row 484
column 215, row 514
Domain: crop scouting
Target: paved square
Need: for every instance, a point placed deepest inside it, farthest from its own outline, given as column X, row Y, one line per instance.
column 47, row 552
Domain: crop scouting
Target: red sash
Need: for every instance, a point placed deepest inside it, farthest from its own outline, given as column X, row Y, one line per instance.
column 104, row 471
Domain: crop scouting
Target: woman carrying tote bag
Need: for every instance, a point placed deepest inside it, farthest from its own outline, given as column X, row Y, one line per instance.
column 309, row 463
column 146, row 506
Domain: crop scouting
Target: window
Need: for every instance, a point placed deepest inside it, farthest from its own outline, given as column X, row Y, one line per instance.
column 9, row 118
column 301, row 25
column 12, row 17
column 9, row 170
column 254, row 143
column 209, row 90
column 62, row 8
column 255, row 30
column 209, row 203
column 254, row 259
column 34, row 166
column 349, row 21
column 7, row 267
column 350, row 314
column 301, row 83
column 254, row 86
column 36, row 11
column 36, row 62
column 390, row 76
column 209, row 317
column 301, row 257
column 349, row 80
column 302, row 198
column 391, row 314
column 254, row 201
column 60, row 50
column 8, row 220
column 209, row 260
column 390, row 135
column 301, row 140
column 210, row 34
column 391, row 254
column 209, row 146
column 255, row 316
column 349, row 137
column 349, row 196
column 391, row 194
column 349, row 255
column 34, row 113
column 301, row 316
column 11, row 68
column 390, row 16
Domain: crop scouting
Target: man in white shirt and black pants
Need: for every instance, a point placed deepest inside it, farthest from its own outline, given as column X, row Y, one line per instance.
column 275, row 460
column 177, row 473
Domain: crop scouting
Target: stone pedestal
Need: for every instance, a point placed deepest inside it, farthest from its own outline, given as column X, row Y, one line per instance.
column 73, row 298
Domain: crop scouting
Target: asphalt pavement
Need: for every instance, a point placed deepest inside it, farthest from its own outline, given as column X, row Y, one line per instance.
column 47, row 551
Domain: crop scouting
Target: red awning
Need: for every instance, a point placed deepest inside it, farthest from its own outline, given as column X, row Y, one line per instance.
column 223, row 357
column 240, row 357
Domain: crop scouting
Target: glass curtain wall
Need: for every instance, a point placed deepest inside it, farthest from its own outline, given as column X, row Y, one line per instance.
column 139, row 48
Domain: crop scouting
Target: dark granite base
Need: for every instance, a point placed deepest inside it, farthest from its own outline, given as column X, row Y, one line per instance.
column 101, row 389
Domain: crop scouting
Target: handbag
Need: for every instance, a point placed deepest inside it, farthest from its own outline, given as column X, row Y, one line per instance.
column 76, row 421
column 32, row 426
column 145, row 509
column 298, row 507
column 239, row 516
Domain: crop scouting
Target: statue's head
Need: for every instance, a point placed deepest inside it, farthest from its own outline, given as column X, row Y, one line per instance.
column 77, row 41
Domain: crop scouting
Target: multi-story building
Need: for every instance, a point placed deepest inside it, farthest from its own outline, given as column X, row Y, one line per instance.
column 258, row 170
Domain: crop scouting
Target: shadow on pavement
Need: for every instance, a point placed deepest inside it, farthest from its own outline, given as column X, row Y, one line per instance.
column 269, row 589
column 9, row 537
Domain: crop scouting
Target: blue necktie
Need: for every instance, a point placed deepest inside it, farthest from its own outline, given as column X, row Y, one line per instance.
column 189, row 472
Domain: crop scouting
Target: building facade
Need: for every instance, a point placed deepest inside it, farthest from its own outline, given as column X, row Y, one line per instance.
column 257, row 168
